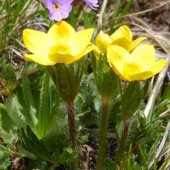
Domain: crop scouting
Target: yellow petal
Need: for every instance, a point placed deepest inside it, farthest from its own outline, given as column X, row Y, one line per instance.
column 43, row 60
column 102, row 41
column 68, row 59
column 84, row 52
column 153, row 70
column 140, row 76
column 158, row 66
column 60, row 49
column 144, row 55
column 62, row 33
column 36, row 42
column 82, row 40
column 72, row 53
column 117, row 57
column 123, row 42
column 122, row 32
column 97, row 52
column 61, row 58
column 136, row 42
column 131, row 68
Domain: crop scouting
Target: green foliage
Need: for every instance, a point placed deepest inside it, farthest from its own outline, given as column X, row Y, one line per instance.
column 43, row 111
column 37, row 110
column 88, row 20
column 81, row 16
column 43, row 149
column 4, row 157
column 5, row 121
column 165, row 165
column 28, row 103
column 164, row 103
column 8, row 78
column 87, row 102
column 119, row 12
column 13, row 15
column 166, row 94
column 40, row 120
column 68, row 84
column 14, row 111
column 37, row 147
column 33, row 120
column 131, row 99
column 104, row 76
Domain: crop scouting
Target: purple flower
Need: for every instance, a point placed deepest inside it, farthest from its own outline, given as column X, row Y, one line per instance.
column 59, row 9
column 92, row 3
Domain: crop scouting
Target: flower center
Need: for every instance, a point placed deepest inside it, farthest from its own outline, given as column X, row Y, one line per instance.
column 57, row 6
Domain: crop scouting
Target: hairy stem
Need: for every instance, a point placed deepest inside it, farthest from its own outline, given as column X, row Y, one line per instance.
column 104, row 118
column 122, row 142
column 72, row 129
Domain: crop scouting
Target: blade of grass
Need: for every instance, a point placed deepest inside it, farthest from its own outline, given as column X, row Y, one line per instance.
column 143, row 157
column 123, row 13
column 155, row 163
column 165, row 165
column 117, row 8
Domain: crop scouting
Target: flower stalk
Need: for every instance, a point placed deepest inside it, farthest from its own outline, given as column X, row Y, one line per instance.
column 121, row 147
column 104, row 118
column 107, row 84
column 67, row 86
column 72, row 129
column 71, row 123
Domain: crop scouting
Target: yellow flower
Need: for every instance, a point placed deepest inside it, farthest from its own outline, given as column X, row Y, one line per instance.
column 121, row 37
column 140, row 64
column 62, row 44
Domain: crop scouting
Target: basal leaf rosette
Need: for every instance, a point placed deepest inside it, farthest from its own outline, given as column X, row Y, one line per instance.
column 121, row 37
column 140, row 64
column 61, row 44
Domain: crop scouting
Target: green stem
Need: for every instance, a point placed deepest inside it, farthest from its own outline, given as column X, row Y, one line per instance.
column 121, row 148
column 72, row 130
column 105, row 108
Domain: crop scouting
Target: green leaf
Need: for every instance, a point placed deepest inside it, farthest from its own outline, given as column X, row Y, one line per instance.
column 129, row 166
column 4, row 157
column 106, row 80
column 117, row 12
column 15, row 111
column 66, row 80
column 5, row 163
column 165, row 164
column 117, row 8
column 109, row 84
column 145, row 88
column 44, row 109
column 155, row 163
column 144, row 158
column 32, row 144
column 124, row 12
column 8, row 74
column 67, row 156
column 29, row 107
column 131, row 99
column 166, row 94
column 6, row 123
column 119, row 129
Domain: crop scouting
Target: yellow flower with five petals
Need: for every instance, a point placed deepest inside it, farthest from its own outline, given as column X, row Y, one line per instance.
column 61, row 44
column 121, row 37
column 140, row 64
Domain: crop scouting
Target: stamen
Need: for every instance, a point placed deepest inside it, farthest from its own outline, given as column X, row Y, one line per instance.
column 57, row 6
